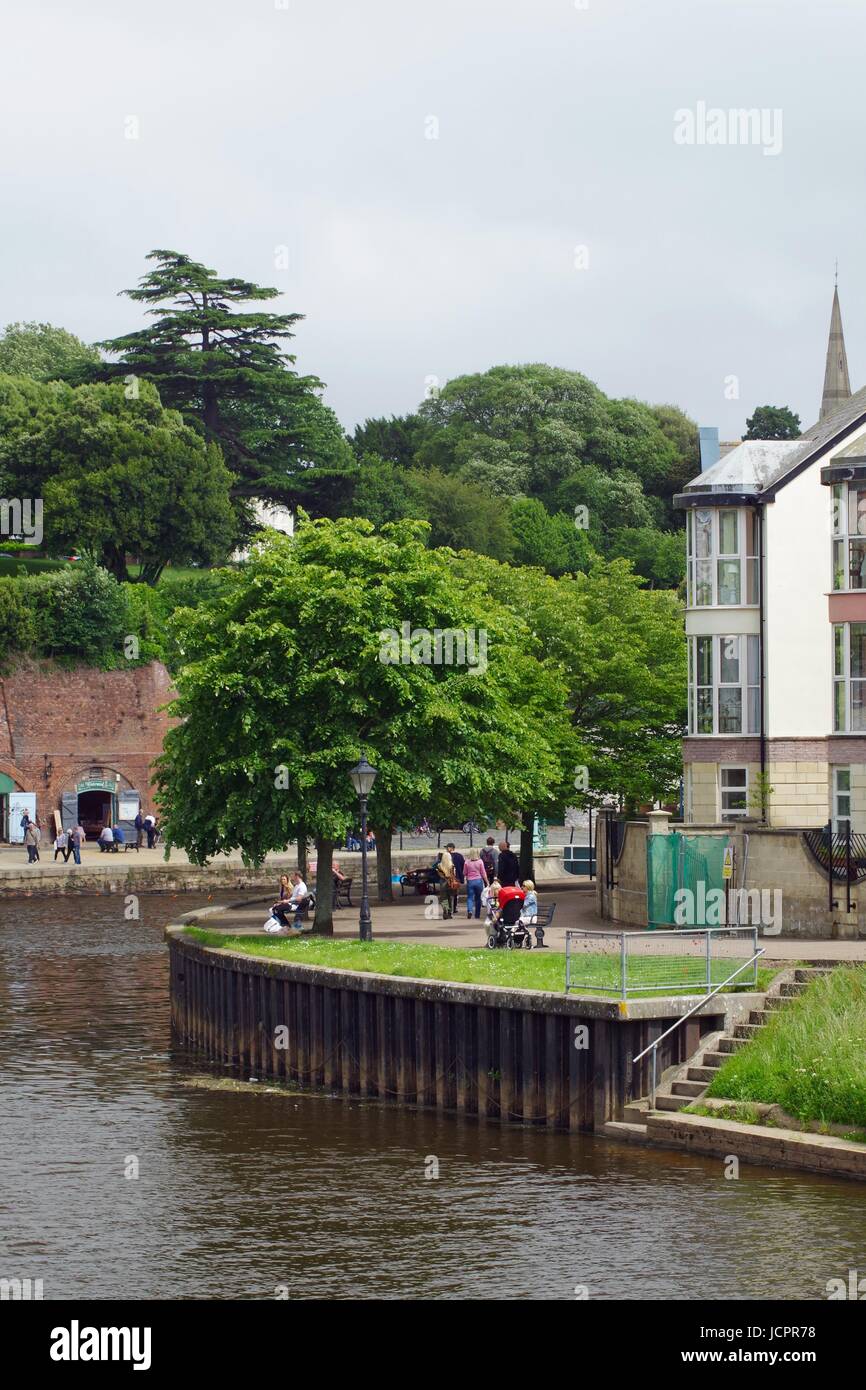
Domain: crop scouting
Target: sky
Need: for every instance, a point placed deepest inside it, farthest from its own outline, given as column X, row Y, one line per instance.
column 444, row 187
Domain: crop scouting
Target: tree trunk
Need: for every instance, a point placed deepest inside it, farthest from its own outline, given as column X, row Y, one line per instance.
column 383, row 835
column 526, row 859
column 303, row 863
column 323, row 923
column 114, row 560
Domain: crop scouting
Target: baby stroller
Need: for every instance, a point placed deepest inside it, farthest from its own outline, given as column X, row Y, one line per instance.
column 507, row 929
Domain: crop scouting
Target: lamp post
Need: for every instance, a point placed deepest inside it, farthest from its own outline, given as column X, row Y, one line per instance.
column 363, row 776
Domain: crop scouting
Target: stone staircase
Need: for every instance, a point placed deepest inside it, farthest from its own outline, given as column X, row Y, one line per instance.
column 684, row 1084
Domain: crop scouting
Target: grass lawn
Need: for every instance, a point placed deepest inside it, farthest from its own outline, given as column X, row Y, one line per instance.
column 476, row 966
column 810, row 1057
column 13, row 564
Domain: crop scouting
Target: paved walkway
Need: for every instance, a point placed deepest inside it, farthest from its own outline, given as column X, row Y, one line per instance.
column 405, row 920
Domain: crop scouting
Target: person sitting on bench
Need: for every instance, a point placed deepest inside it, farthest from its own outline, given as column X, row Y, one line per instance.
column 286, row 909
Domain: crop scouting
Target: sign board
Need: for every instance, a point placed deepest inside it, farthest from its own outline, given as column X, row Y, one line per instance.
column 18, row 804
column 728, row 864
column 128, row 808
column 98, row 784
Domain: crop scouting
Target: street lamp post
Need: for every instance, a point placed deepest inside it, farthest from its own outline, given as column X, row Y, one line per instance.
column 363, row 776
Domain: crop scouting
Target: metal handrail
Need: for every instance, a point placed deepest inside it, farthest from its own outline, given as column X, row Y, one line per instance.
column 700, row 1004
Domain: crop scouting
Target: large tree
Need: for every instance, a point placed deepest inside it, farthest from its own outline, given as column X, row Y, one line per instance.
column 773, row 422
column 224, row 366
column 45, row 353
column 292, row 671
column 119, row 475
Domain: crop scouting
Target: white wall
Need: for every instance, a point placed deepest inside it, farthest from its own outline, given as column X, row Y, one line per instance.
column 798, row 636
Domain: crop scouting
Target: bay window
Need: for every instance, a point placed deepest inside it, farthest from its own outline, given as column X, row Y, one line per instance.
column 722, row 557
column 849, row 535
column 849, row 678
column 724, row 696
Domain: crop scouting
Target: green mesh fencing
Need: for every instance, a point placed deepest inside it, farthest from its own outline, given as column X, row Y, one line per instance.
column 677, row 861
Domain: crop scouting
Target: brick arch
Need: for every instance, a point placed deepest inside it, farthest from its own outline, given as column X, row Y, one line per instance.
column 70, row 782
column 16, row 774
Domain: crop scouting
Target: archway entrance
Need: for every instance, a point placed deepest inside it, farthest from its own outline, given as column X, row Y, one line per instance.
column 95, row 809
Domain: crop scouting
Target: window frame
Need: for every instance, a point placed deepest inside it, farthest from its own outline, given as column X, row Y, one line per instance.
column 745, row 558
column 843, row 769
column 843, row 538
column 731, row 812
column 748, row 683
column 845, row 681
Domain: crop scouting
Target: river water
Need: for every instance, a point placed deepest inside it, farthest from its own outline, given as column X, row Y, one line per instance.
column 249, row 1192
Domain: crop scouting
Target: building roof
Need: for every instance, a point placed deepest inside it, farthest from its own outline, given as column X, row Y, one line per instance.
column 763, row 465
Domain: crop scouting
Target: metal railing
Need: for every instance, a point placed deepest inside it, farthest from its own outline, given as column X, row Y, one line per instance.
column 659, row 962
column 654, row 1046
column 842, row 856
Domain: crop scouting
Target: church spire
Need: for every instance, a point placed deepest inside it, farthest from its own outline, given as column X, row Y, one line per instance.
column 837, row 387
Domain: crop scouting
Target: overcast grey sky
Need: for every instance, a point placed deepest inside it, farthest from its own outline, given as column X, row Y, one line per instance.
column 305, row 124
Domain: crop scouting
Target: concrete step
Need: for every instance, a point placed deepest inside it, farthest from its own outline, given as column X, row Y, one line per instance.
column 704, row 1074
column 691, row 1089
column 672, row 1102
column 746, row 1030
column 791, row 991
column 759, row 1016
column 773, row 1002
column 715, row 1059
column 804, row 974
column 635, row 1112
column 623, row 1129
column 731, row 1044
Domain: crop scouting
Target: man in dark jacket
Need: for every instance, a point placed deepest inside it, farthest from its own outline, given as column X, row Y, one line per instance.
column 508, row 868
column 459, row 862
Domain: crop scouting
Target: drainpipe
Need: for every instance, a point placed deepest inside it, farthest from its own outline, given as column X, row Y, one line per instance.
column 761, row 641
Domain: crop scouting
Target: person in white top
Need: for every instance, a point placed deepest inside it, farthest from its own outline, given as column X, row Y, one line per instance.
column 106, row 839
column 287, row 911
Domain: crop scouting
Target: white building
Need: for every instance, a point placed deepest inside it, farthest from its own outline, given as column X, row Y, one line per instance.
column 776, row 621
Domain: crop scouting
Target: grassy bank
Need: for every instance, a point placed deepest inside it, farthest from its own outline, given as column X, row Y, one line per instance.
column 810, row 1058
column 476, row 966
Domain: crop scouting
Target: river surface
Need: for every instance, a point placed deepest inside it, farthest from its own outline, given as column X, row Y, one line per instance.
column 251, row 1192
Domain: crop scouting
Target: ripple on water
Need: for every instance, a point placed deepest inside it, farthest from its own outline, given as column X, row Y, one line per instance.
column 242, row 1190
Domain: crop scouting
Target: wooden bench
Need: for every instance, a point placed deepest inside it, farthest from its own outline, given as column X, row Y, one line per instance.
column 343, row 892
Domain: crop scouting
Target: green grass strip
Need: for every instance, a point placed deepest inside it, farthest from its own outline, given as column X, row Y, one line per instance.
column 810, row 1057
column 534, row 969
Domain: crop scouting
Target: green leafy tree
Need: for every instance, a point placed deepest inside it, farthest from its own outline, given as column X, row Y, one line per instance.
column 45, row 353
column 658, row 556
column 396, row 439
column 463, row 515
column 773, row 422
column 224, row 366
column 555, row 543
column 123, row 477
column 284, row 684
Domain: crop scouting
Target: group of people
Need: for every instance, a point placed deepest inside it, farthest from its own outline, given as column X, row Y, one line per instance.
column 491, row 878
column 67, row 843
column 286, row 911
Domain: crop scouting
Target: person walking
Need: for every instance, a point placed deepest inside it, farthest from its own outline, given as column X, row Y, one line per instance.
column 447, row 883
column 458, row 860
column 475, row 877
column 38, row 835
column 31, row 840
column 139, row 828
column 490, row 855
column 61, row 846
column 76, row 840
column 150, row 828
column 508, row 867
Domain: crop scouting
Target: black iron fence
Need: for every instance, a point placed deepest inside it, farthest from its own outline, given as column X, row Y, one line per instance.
column 841, row 855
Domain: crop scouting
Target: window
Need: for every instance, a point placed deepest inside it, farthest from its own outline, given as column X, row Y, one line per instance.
column 849, row 678
column 841, row 797
column 722, row 556
column 849, row 535
column 724, row 685
column 734, row 783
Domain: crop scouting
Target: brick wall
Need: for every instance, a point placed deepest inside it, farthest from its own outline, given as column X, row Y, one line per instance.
column 56, row 724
